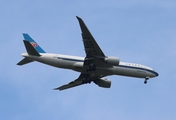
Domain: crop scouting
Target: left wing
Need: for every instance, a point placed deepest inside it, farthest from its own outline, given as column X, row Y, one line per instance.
column 70, row 85
column 79, row 81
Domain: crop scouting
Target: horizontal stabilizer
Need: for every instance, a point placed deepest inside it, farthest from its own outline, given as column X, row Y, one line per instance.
column 24, row 61
column 30, row 49
column 70, row 85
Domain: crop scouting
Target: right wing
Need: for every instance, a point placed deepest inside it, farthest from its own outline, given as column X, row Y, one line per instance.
column 90, row 45
column 94, row 58
column 94, row 54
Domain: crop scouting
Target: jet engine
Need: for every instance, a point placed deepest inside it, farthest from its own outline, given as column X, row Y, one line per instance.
column 103, row 82
column 112, row 61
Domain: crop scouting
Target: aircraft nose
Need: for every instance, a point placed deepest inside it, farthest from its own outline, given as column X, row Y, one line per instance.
column 156, row 74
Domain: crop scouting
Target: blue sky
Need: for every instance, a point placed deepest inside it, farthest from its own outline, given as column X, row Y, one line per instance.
column 137, row 31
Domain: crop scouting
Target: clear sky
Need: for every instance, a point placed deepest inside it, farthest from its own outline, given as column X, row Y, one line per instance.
column 138, row 31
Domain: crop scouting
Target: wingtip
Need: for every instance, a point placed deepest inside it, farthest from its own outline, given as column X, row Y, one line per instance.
column 56, row 89
column 78, row 18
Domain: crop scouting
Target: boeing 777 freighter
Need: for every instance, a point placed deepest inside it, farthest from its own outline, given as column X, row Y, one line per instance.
column 93, row 68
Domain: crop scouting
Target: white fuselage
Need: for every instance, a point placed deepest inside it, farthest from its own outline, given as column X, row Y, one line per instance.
column 76, row 63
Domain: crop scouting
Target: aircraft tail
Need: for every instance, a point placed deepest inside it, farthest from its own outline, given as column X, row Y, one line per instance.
column 33, row 43
column 32, row 48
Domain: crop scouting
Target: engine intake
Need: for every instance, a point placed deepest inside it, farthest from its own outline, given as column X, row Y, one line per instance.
column 103, row 82
column 112, row 61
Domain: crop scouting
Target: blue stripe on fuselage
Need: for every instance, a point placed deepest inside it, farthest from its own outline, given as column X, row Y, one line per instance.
column 139, row 68
column 70, row 59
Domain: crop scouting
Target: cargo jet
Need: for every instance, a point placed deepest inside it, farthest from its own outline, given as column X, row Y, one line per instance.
column 93, row 68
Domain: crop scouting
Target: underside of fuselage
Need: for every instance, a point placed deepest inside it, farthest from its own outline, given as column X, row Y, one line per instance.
column 67, row 63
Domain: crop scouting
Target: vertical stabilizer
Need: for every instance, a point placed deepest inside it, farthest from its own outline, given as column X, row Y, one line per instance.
column 30, row 48
column 33, row 43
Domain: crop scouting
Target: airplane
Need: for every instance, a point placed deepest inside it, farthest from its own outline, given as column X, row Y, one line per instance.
column 93, row 68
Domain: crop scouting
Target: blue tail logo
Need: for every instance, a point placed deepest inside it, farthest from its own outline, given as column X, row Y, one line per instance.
column 33, row 43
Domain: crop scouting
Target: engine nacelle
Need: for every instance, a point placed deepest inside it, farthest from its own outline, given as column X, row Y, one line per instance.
column 112, row 61
column 103, row 82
